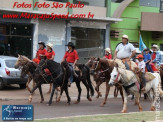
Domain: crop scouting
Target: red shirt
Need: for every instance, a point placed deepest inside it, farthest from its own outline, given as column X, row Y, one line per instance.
column 108, row 56
column 153, row 56
column 71, row 56
column 40, row 52
column 49, row 54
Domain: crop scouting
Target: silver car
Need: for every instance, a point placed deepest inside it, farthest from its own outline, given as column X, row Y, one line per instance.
column 8, row 74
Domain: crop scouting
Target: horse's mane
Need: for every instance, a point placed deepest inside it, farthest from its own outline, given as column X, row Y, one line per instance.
column 53, row 66
column 27, row 59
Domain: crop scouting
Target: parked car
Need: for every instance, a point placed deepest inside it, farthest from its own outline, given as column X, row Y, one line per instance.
column 8, row 74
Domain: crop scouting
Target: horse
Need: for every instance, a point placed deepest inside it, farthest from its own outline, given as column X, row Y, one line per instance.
column 83, row 75
column 105, row 66
column 99, row 78
column 57, row 77
column 161, row 74
column 21, row 62
column 130, row 85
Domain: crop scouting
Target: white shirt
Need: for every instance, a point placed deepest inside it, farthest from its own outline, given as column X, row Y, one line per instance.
column 141, row 65
column 124, row 51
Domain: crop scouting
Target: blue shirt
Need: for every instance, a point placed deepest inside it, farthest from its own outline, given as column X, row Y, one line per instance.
column 147, row 57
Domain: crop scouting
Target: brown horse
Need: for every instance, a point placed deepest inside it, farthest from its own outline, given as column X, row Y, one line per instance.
column 105, row 66
column 21, row 62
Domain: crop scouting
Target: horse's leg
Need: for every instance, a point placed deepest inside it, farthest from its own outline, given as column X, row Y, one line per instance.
column 86, row 85
column 79, row 91
column 124, row 110
column 97, row 89
column 106, row 94
column 37, row 85
column 59, row 98
column 67, row 94
column 52, row 94
column 50, row 88
column 154, row 100
column 137, row 96
column 121, row 93
column 27, row 84
column 42, row 97
column 115, row 92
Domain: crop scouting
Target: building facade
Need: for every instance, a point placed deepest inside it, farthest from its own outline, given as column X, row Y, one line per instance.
column 21, row 35
column 139, row 16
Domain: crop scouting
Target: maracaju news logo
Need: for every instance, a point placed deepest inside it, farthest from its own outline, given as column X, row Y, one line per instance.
column 17, row 112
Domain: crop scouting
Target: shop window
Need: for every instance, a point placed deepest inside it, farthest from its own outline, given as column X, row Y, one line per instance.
column 89, row 42
column 16, row 39
column 150, row 3
column 100, row 3
column 117, row 1
column 161, row 47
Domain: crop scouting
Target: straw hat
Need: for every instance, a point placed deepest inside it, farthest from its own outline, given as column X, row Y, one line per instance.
column 125, row 36
column 50, row 45
column 108, row 50
column 155, row 46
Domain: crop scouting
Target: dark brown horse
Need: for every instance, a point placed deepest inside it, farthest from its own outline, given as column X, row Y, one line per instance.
column 105, row 66
column 83, row 74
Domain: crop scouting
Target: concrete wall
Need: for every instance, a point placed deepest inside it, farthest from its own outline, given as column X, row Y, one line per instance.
column 54, row 32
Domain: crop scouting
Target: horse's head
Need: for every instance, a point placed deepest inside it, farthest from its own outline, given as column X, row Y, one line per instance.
column 90, row 62
column 42, row 65
column 22, row 60
column 64, row 63
column 115, row 76
column 96, row 66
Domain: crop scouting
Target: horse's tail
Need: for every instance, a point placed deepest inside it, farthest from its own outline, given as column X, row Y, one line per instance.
column 159, row 85
column 89, row 81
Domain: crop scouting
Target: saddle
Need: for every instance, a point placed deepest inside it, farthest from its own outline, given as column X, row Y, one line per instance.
column 148, row 76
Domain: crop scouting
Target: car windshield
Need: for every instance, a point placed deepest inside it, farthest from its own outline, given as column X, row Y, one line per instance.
column 10, row 63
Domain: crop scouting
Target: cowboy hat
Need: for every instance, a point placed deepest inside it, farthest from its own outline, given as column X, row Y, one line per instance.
column 125, row 36
column 155, row 46
column 42, row 43
column 49, row 45
column 140, row 56
column 108, row 50
column 70, row 44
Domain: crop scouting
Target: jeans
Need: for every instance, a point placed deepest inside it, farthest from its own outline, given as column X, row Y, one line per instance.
column 149, row 68
column 127, row 66
column 72, row 72
column 143, row 79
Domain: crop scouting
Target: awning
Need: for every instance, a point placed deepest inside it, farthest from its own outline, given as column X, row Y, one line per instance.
column 151, row 21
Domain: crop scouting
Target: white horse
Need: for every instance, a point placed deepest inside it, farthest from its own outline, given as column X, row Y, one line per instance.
column 128, row 79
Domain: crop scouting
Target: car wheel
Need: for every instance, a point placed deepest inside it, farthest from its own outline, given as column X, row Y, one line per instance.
column 22, row 86
column 1, row 84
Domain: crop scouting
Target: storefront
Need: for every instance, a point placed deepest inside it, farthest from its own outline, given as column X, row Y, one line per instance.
column 16, row 38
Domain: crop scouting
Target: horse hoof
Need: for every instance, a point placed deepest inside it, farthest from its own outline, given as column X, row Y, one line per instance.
column 140, row 110
column 97, row 96
column 76, row 102
column 48, row 104
column 152, row 108
column 89, row 99
column 58, row 100
column 124, row 111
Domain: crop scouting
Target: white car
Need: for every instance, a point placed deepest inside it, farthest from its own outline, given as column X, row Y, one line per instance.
column 8, row 74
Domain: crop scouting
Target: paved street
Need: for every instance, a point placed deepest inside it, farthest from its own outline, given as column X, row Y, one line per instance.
column 14, row 95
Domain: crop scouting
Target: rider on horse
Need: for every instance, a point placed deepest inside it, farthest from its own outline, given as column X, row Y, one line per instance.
column 125, row 51
column 108, row 54
column 41, row 52
column 71, row 57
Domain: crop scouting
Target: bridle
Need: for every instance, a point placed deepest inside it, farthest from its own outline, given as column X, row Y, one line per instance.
column 116, row 79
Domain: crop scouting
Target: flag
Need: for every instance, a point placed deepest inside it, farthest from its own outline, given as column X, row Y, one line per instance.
column 142, row 46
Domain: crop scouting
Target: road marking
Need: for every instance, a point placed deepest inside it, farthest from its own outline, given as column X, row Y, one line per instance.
column 91, row 115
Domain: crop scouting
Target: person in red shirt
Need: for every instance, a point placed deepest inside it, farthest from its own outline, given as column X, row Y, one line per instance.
column 40, row 52
column 50, row 54
column 108, row 54
column 71, row 57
